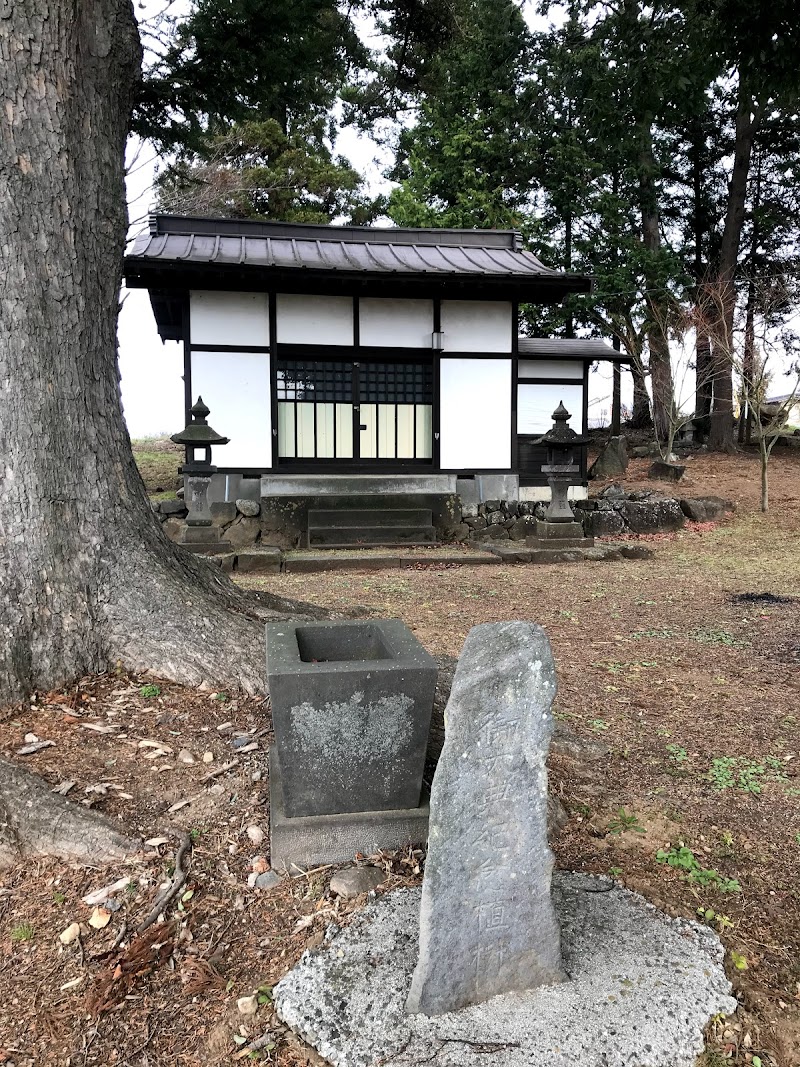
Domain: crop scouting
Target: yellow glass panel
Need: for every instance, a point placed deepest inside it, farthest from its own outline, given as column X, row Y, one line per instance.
column 344, row 431
column 424, row 431
column 286, row 431
column 367, row 417
column 325, row 431
column 386, row 425
column 305, row 431
column 405, row 431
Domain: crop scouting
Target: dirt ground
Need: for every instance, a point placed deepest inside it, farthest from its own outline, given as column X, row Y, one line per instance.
column 685, row 666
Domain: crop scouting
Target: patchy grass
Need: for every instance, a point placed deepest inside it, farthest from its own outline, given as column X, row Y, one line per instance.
column 158, row 460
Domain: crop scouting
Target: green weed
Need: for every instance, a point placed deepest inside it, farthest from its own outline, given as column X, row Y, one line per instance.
column 623, row 821
column 23, row 932
column 149, row 692
column 677, row 753
column 683, row 859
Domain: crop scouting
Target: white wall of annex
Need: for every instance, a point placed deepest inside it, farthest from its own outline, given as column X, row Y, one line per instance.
column 477, row 325
column 550, row 368
column 229, row 318
column 388, row 323
column 235, row 386
column 314, row 320
column 475, row 414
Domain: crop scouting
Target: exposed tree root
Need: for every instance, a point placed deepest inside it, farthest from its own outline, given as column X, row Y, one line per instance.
column 38, row 822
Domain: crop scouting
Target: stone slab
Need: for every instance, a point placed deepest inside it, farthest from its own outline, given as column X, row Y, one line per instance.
column 597, row 554
column 214, row 548
column 642, row 988
column 259, row 561
column 316, row 839
column 558, row 531
column 487, row 923
column 351, row 708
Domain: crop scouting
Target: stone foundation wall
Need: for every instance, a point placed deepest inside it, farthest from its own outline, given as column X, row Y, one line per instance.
column 246, row 523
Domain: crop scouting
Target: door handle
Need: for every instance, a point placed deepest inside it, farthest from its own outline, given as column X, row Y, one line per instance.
column 362, row 426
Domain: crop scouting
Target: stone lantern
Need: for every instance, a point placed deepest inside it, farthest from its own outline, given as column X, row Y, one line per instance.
column 199, row 534
column 561, row 469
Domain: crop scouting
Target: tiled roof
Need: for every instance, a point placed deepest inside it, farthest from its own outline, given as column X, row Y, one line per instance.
column 361, row 250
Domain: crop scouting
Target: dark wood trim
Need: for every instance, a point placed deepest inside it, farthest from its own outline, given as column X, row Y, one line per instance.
column 552, row 381
column 514, row 381
column 187, row 360
column 437, row 314
column 585, row 427
column 186, row 316
column 273, row 375
column 229, row 348
column 356, row 324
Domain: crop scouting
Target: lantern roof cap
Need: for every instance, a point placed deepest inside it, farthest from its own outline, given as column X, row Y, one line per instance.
column 198, row 432
column 560, row 433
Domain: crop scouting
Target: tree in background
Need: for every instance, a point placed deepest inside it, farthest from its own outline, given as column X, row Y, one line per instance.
column 467, row 161
column 241, row 98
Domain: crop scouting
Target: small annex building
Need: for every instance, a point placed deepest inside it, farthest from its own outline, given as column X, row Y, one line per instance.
column 349, row 364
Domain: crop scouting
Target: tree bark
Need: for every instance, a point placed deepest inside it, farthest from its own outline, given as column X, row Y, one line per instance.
column 89, row 578
column 38, row 822
column 747, row 119
column 657, row 341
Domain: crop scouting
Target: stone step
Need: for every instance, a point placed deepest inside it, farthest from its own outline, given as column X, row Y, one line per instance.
column 348, row 536
column 343, row 517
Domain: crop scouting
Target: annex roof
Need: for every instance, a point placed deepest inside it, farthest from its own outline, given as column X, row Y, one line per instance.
column 591, row 348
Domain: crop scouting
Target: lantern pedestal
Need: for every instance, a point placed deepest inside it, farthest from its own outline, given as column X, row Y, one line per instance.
column 559, row 529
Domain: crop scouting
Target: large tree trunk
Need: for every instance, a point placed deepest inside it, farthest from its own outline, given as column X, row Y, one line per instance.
column 747, row 118
column 89, row 579
column 657, row 341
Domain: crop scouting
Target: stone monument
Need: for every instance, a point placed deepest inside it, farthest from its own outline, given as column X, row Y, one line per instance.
column 487, row 922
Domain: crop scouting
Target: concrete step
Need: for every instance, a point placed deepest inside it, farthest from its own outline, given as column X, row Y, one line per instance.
column 348, row 536
column 342, row 517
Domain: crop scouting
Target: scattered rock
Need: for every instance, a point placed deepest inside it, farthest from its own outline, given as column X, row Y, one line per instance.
column 208, row 757
column 259, row 864
column 642, row 451
column 244, row 531
column 185, row 756
column 222, row 513
column 247, row 1005
column 240, row 741
column 72, row 933
column 604, row 523
column 705, row 508
column 613, row 460
column 172, row 507
column 652, row 516
column 268, row 880
column 250, row 508
column 256, row 834
column 665, row 472
column 99, row 918
column 356, row 880
column 613, row 492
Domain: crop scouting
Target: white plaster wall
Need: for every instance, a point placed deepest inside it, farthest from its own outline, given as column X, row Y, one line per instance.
column 314, row 320
column 387, row 323
column 477, row 325
column 475, row 414
column 550, row 368
column 229, row 318
column 235, row 386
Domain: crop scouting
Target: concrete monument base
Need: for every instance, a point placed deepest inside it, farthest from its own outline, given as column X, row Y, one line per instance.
column 315, row 839
column 641, row 988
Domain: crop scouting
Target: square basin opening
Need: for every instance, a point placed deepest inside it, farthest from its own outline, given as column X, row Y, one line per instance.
column 329, row 644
